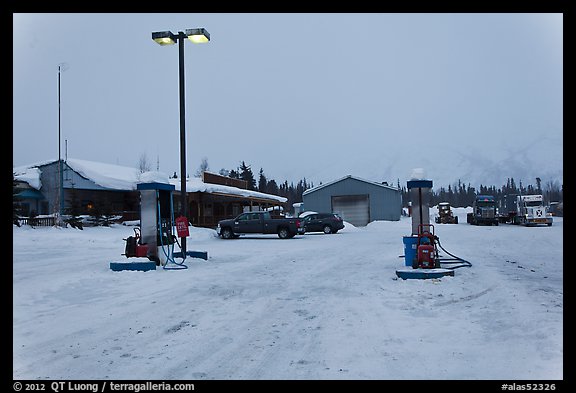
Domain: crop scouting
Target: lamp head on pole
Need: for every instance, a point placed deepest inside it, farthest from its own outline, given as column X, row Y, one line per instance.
column 198, row 36
column 164, row 38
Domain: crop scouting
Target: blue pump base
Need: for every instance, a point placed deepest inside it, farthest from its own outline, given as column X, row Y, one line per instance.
column 192, row 254
column 138, row 266
column 422, row 274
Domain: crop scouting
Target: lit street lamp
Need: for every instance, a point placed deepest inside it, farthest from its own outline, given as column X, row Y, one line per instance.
column 197, row 36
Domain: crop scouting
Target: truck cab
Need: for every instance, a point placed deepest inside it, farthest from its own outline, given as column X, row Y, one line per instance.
column 483, row 211
column 531, row 211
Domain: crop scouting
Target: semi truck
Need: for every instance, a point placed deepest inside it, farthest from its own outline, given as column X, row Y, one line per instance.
column 483, row 211
column 508, row 208
column 530, row 211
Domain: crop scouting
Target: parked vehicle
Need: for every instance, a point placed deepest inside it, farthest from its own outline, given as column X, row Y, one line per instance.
column 260, row 222
column 323, row 222
column 445, row 214
column 531, row 211
column 556, row 209
column 306, row 213
column 508, row 209
column 483, row 211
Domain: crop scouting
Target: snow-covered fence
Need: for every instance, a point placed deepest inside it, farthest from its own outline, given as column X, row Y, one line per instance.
column 46, row 221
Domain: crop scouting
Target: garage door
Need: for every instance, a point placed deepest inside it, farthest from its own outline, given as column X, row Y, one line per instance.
column 354, row 209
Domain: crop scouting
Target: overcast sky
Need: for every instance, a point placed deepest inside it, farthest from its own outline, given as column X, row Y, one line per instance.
column 476, row 97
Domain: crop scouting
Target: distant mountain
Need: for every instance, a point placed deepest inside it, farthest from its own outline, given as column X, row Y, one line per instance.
column 487, row 163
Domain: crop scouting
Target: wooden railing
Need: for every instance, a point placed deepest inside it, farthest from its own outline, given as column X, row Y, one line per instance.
column 37, row 221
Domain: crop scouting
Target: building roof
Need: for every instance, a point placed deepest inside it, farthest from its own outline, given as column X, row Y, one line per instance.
column 196, row 184
column 29, row 175
column 117, row 177
column 310, row 190
column 29, row 194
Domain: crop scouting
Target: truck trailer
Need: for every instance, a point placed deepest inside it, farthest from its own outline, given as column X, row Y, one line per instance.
column 508, row 208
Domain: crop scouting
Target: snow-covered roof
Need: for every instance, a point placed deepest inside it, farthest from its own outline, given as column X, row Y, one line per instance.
column 30, row 175
column 112, row 176
column 196, row 184
column 344, row 178
column 116, row 177
column 119, row 177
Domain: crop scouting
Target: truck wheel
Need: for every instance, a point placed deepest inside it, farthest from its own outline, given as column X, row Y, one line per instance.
column 283, row 233
column 227, row 233
column 456, row 220
column 327, row 229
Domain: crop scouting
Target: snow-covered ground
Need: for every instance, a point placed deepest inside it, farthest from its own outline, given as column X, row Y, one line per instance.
column 312, row 307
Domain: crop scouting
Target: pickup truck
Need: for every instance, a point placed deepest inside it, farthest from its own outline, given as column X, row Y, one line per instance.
column 260, row 222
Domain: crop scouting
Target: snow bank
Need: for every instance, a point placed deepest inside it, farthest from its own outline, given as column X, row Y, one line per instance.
column 202, row 234
column 349, row 227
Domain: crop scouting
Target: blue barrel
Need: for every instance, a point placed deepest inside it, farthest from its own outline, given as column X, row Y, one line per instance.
column 410, row 245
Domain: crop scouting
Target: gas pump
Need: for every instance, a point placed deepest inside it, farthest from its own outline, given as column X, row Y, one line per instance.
column 417, row 245
column 420, row 247
column 157, row 221
column 154, row 239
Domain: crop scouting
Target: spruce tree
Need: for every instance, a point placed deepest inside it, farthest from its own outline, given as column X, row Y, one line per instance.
column 247, row 175
column 262, row 181
column 272, row 187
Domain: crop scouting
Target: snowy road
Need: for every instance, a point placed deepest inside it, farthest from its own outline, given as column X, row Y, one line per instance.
column 313, row 307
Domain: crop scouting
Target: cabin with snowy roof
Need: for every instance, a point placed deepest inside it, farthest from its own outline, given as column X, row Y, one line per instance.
column 88, row 187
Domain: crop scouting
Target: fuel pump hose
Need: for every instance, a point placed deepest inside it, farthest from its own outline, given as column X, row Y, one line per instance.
column 170, row 254
column 453, row 260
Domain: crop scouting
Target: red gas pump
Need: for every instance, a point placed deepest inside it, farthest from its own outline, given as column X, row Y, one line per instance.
column 134, row 247
column 427, row 253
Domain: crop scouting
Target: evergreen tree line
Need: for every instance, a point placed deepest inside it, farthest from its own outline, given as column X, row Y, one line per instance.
column 460, row 195
column 269, row 186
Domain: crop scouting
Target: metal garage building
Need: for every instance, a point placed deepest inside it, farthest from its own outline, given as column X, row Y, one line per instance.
column 356, row 200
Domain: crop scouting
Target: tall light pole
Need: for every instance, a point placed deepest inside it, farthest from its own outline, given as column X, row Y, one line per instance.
column 61, row 67
column 197, row 36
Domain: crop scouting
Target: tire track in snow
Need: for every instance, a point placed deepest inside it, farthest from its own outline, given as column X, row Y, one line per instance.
column 465, row 298
column 287, row 327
